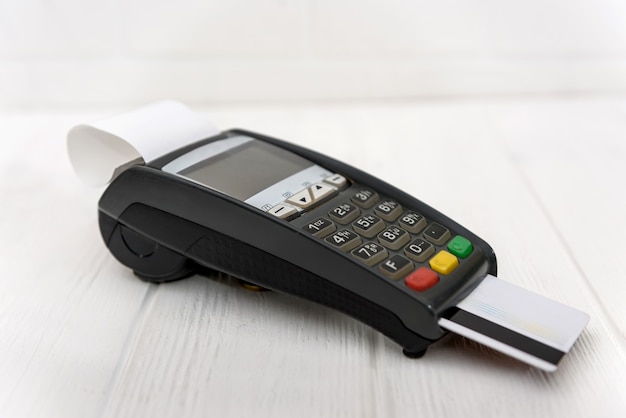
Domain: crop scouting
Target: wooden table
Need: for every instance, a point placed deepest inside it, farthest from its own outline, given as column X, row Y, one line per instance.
column 541, row 179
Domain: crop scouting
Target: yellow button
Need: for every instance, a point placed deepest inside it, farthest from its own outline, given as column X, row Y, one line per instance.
column 444, row 262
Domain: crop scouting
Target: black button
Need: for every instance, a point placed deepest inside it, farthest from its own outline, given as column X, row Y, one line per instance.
column 412, row 222
column 370, row 253
column 368, row 225
column 394, row 237
column 344, row 213
column 344, row 240
column 365, row 198
column 436, row 234
column 388, row 210
column 396, row 267
column 419, row 250
column 320, row 227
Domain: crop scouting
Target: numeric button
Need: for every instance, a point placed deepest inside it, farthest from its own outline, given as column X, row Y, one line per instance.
column 344, row 213
column 368, row 225
column 419, row 250
column 365, row 198
column 370, row 253
column 344, row 240
column 388, row 210
column 412, row 222
column 394, row 237
column 436, row 234
column 320, row 227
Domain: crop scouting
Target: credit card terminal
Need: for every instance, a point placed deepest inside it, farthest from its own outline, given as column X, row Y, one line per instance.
column 295, row 221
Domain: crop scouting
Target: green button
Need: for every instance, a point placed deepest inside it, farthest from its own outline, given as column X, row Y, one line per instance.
column 460, row 246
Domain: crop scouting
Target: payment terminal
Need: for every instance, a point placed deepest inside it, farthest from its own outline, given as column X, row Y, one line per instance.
column 295, row 221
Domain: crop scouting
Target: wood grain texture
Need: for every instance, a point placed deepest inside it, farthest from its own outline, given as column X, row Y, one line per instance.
column 538, row 179
column 67, row 310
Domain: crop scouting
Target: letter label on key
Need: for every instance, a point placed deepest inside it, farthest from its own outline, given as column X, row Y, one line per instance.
column 391, row 265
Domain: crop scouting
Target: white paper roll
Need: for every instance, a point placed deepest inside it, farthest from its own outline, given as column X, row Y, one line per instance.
column 100, row 151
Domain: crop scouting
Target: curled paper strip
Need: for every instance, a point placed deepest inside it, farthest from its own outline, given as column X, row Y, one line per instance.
column 100, row 151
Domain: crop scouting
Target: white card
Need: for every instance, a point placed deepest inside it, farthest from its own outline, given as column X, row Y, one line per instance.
column 517, row 322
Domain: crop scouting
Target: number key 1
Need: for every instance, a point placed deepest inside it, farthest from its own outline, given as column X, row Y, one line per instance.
column 320, row 227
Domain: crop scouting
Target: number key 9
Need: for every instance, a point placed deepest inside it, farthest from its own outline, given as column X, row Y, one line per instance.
column 412, row 222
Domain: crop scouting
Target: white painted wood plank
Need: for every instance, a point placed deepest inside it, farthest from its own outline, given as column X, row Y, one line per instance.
column 207, row 348
column 212, row 348
column 573, row 155
column 80, row 336
column 66, row 307
column 530, row 254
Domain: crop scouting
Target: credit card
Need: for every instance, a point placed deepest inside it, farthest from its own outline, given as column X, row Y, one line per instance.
column 517, row 322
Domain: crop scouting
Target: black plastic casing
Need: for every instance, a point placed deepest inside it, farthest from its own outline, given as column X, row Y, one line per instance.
column 165, row 227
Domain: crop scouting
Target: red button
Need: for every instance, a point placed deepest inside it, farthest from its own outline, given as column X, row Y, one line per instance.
column 421, row 279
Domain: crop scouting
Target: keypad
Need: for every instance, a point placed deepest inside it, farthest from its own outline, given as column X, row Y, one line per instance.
column 398, row 243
